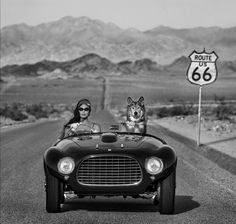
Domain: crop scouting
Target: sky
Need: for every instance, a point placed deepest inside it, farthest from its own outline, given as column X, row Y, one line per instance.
column 139, row 14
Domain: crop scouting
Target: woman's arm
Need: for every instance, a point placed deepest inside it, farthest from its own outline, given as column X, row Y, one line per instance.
column 64, row 131
column 62, row 134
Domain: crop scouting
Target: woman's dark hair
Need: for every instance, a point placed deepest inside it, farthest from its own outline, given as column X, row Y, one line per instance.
column 76, row 117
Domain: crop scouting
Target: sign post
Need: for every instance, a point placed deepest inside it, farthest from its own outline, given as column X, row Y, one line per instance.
column 199, row 115
column 202, row 71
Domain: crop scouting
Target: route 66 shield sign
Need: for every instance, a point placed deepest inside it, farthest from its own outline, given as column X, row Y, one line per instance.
column 202, row 69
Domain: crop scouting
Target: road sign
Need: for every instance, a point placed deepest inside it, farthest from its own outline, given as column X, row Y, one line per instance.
column 202, row 69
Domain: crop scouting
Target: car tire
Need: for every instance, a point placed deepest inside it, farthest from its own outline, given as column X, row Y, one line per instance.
column 156, row 200
column 167, row 194
column 54, row 193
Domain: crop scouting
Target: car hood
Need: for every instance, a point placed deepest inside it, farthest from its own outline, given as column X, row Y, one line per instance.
column 110, row 140
column 134, row 145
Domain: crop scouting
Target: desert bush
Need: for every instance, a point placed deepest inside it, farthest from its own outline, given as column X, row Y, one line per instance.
column 14, row 112
column 160, row 112
column 163, row 112
column 37, row 110
column 176, row 110
column 19, row 111
column 151, row 112
column 223, row 111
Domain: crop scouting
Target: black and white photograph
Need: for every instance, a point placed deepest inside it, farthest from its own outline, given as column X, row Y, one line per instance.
column 118, row 112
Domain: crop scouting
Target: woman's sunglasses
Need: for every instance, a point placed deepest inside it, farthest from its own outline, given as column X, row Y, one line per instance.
column 83, row 109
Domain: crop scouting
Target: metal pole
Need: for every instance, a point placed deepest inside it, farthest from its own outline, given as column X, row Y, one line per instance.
column 199, row 115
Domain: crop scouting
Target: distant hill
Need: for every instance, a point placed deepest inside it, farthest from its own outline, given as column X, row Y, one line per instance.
column 181, row 64
column 227, row 67
column 70, row 38
column 93, row 64
column 87, row 64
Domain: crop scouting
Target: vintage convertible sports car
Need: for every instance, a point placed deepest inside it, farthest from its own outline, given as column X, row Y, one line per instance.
column 111, row 164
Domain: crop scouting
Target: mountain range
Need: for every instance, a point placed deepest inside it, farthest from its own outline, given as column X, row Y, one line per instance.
column 90, row 64
column 95, row 65
column 71, row 38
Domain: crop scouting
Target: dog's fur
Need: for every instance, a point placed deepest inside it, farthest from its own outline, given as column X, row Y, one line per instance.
column 136, row 121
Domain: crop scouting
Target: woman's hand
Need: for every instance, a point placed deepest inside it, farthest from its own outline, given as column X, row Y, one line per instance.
column 96, row 128
column 72, row 129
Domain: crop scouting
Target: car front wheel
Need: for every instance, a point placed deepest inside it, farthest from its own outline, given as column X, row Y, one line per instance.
column 54, row 193
column 167, row 194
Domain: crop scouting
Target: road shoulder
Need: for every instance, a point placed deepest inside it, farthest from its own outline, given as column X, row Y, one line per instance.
column 217, row 148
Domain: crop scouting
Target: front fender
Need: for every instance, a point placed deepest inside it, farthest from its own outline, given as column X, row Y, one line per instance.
column 51, row 159
column 168, row 156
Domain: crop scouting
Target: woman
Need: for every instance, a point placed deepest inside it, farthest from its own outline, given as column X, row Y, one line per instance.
column 80, row 123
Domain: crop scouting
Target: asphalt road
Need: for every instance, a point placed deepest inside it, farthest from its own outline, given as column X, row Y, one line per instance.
column 205, row 192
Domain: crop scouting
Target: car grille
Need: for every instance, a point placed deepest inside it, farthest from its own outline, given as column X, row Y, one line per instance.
column 109, row 170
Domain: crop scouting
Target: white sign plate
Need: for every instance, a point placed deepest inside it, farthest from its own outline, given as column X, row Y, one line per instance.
column 202, row 69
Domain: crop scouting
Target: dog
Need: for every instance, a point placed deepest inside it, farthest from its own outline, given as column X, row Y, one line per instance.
column 136, row 121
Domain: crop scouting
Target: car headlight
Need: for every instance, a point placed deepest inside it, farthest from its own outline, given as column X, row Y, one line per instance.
column 66, row 165
column 154, row 165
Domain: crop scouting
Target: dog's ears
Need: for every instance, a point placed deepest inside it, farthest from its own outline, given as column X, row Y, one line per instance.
column 129, row 100
column 141, row 100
